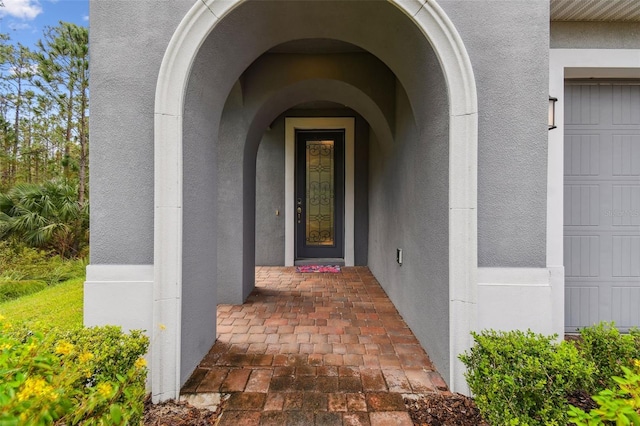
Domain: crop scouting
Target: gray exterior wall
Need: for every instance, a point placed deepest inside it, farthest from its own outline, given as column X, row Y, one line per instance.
column 508, row 42
column 231, row 102
column 409, row 210
column 124, row 67
column 595, row 35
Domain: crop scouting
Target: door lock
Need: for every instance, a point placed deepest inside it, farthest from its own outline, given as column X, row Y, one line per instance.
column 299, row 212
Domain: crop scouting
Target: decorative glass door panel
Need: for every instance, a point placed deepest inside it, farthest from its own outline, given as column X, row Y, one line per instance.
column 319, row 194
column 319, row 215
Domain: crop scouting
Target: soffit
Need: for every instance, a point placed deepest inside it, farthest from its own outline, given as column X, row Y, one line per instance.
column 595, row 10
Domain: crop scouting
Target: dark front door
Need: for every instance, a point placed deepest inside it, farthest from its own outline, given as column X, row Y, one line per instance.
column 319, row 200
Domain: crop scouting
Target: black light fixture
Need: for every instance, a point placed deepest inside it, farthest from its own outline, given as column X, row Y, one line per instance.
column 552, row 112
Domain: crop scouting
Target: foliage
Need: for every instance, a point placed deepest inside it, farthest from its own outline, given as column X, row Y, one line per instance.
column 619, row 405
column 63, row 64
column 58, row 307
column 46, row 216
column 18, row 262
column 522, row 378
column 44, row 101
column 609, row 350
column 71, row 378
column 10, row 290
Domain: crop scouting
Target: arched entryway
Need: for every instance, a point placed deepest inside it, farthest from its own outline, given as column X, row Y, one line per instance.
column 212, row 47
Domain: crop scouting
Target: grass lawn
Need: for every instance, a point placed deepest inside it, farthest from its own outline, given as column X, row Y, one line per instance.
column 58, row 306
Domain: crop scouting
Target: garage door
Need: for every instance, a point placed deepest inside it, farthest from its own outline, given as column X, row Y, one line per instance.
column 602, row 204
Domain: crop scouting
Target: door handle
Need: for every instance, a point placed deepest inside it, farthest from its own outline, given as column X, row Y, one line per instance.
column 299, row 212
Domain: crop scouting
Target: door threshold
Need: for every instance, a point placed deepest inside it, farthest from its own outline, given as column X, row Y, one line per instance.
column 319, row 261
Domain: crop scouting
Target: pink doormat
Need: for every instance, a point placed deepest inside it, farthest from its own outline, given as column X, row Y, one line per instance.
column 318, row 268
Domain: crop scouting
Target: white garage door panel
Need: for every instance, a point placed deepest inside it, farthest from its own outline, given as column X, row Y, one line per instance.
column 582, row 205
column 582, row 306
column 626, row 152
column 602, row 204
column 625, row 302
column 626, row 104
column 582, row 155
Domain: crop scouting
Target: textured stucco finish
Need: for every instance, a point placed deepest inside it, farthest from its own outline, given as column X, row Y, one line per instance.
column 124, row 68
column 595, row 35
column 409, row 210
column 228, row 107
column 252, row 106
column 508, row 43
column 263, row 96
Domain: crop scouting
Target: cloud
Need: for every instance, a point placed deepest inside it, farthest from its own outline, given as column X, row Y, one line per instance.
column 85, row 18
column 22, row 9
column 17, row 26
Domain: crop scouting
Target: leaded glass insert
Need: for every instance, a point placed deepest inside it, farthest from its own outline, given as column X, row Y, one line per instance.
column 320, row 230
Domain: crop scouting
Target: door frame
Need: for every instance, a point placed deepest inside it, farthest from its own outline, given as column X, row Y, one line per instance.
column 563, row 64
column 304, row 249
column 319, row 123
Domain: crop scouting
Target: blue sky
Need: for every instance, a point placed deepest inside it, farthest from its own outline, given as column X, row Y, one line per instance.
column 25, row 20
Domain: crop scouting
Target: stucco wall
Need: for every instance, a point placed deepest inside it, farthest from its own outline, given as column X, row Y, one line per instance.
column 508, row 43
column 511, row 178
column 124, row 67
column 409, row 210
column 270, row 197
column 253, row 105
column 200, row 234
column 595, row 35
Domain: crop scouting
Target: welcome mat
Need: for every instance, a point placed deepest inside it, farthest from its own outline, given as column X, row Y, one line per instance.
column 318, row 268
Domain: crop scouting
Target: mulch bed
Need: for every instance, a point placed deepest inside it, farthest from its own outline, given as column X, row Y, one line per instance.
column 172, row 413
column 430, row 410
column 445, row 410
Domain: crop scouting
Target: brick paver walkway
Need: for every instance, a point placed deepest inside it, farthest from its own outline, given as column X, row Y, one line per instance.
column 305, row 349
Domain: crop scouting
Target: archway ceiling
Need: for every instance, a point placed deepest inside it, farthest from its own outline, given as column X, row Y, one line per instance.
column 253, row 28
column 312, row 91
column 316, row 46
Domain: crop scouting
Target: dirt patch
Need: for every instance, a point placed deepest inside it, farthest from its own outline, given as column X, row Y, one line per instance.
column 460, row 410
column 172, row 413
column 444, row 410
column 582, row 400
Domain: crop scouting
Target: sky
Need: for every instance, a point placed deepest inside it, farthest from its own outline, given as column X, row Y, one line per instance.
column 25, row 20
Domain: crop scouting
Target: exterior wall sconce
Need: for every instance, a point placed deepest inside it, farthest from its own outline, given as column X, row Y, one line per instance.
column 552, row 112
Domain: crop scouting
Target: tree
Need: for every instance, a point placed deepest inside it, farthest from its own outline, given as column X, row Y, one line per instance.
column 47, row 216
column 63, row 63
column 18, row 75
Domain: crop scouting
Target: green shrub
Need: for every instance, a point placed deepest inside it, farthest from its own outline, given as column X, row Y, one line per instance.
column 21, row 263
column 72, row 377
column 522, row 378
column 609, row 350
column 635, row 333
column 619, row 405
column 114, row 352
column 47, row 216
column 10, row 290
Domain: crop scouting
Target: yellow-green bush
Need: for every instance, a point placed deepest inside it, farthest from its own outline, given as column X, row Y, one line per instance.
column 90, row 376
column 609, row 350
column 522, row 378
column 619, row 405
